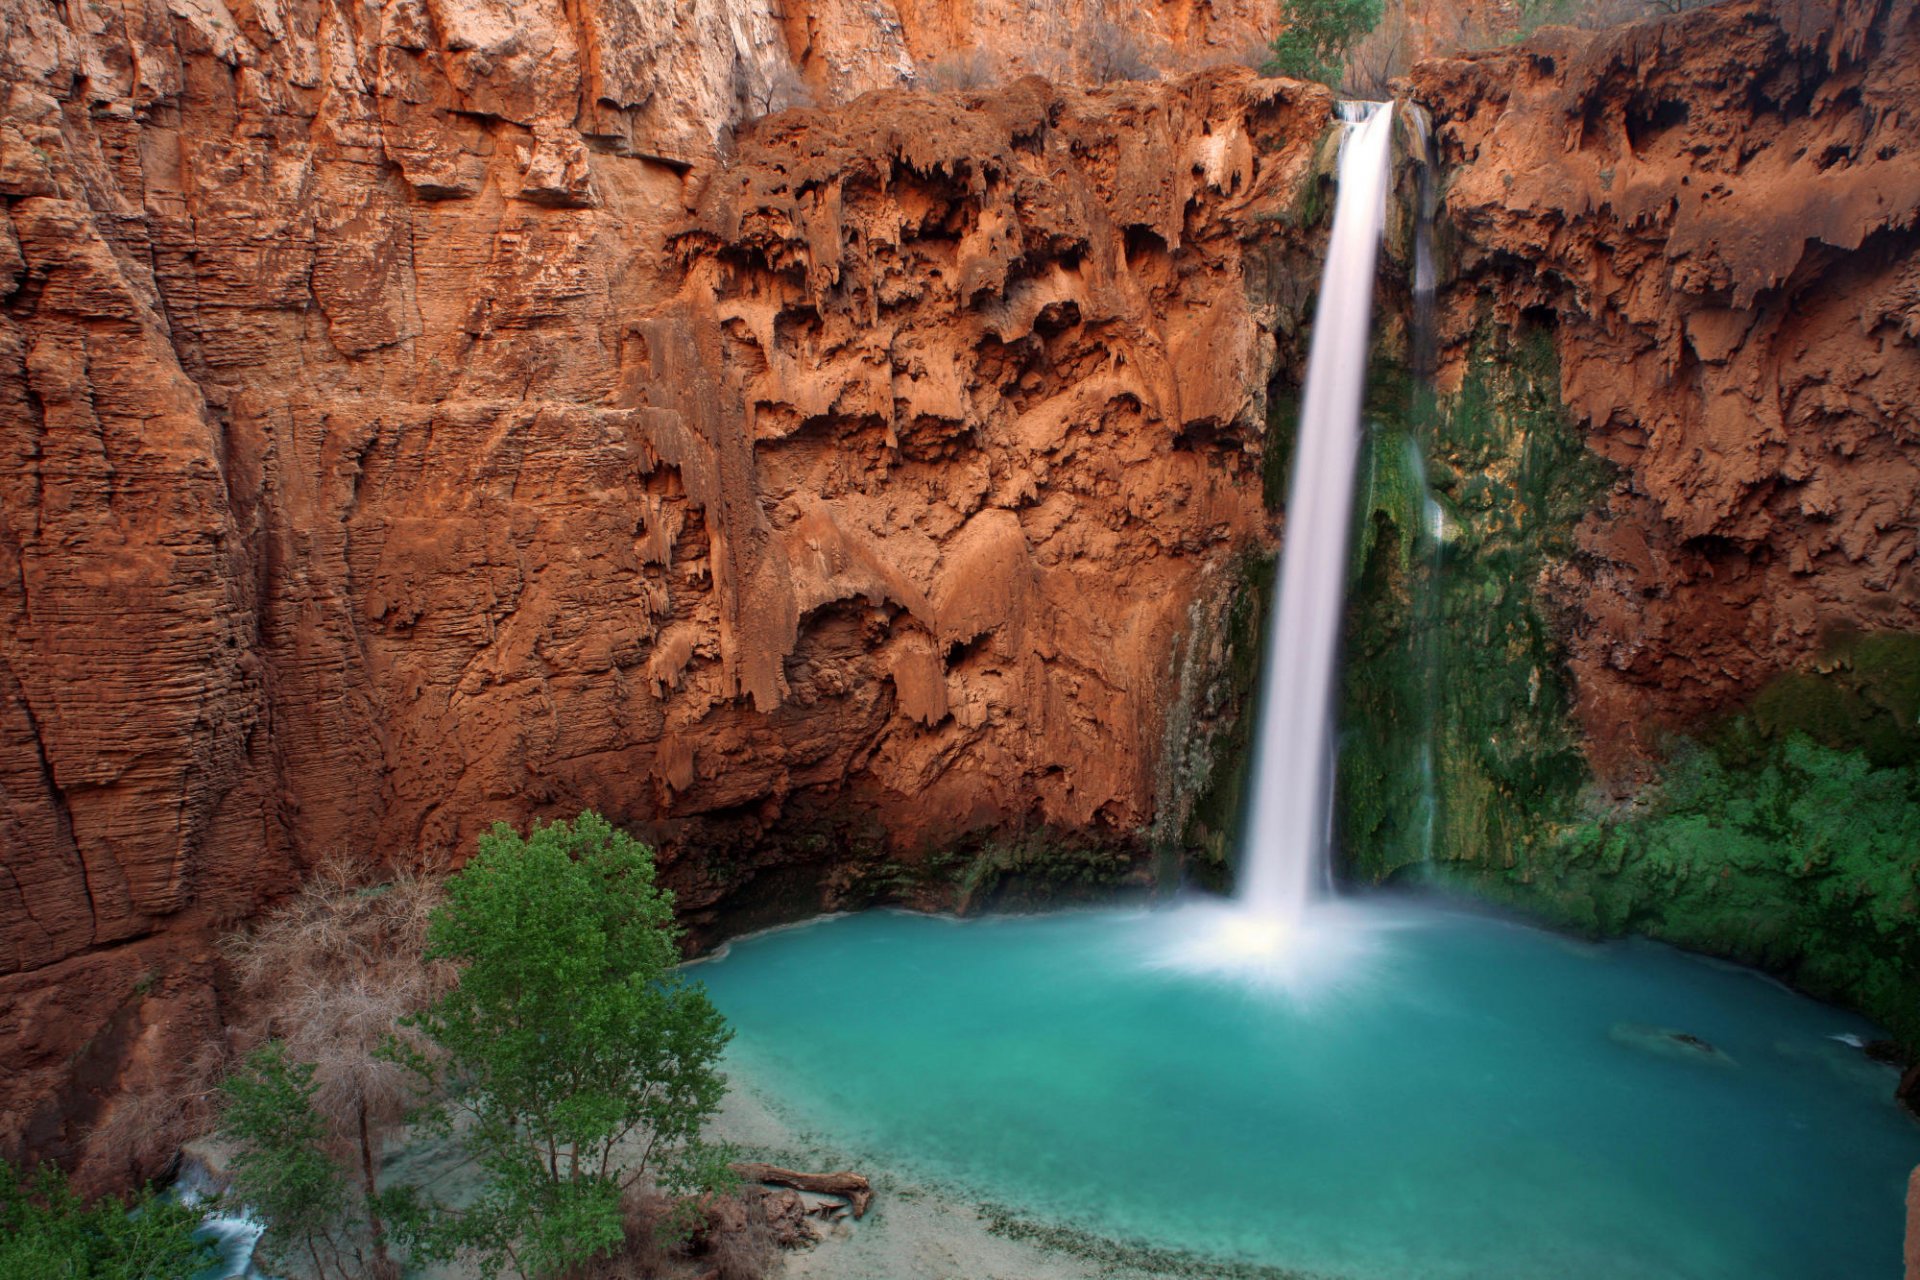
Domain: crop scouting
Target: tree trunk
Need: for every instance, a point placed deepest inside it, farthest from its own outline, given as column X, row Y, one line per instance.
column 856, row 1189
column 375, row 1227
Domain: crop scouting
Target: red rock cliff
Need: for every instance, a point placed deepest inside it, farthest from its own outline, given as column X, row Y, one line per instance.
column 406, row 427
column 1718, row 214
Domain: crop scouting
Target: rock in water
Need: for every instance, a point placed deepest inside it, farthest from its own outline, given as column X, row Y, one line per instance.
column 1669, row 1043
column 1913, row 1226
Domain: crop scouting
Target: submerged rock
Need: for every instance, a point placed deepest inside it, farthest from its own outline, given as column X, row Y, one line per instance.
column 1669, row 1043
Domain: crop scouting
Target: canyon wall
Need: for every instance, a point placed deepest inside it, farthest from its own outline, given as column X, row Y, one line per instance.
column 1659, row 672
column 417, row 415
column 1717, row 215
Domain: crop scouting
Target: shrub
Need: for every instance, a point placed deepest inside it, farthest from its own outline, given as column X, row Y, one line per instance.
column 958, row 72
column 781, row 90
column 329, row 979
column 1112, row 54
column 283, row 1172
column 48, row 1233
column 1318, row 36
column 580, row 1061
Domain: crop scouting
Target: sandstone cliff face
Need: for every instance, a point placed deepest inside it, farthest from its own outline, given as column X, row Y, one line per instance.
column 1717, row 215
column 408, row 426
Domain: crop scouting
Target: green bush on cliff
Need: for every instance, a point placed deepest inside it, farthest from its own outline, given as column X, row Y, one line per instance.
column 1317, row 37
column 576, row 1060
column 47, row 1232
column 1789, row 854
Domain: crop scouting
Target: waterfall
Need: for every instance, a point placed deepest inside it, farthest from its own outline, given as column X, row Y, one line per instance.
column 1285, row 857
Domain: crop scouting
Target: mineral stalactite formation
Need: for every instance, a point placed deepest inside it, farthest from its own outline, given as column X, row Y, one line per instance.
column 419, row 415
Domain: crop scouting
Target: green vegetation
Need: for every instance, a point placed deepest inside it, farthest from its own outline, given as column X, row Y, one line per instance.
column 1781, row 836
column 573, row 1061
column 1039, row 867
column 47, row 1232
column 1782, row 853
column 1318, row 36
column 283, row 1171
column 1449, row 647
column 534, row 1011
column 325, row 981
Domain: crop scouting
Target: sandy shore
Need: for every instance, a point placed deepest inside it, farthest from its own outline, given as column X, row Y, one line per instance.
column 920, row 1232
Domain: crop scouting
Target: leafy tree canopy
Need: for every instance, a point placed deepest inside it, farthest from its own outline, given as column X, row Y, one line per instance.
column 283, row 1171
column 577, row 1060
column 1317, row 36
column 49, row 1233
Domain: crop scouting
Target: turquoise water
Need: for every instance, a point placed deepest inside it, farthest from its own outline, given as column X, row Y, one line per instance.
column 1438, row 1094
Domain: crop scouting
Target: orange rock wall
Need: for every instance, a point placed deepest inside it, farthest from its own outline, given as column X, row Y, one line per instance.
column 407, row 426
column 1719, row 215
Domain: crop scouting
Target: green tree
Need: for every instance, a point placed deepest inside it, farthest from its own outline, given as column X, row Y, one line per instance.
column 1318, row 36
column 49, row 1233
column 283, row 1171
column 331, row 975
column 577, row 1060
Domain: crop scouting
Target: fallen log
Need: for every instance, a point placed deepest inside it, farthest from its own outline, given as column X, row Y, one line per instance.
column 856, row 1189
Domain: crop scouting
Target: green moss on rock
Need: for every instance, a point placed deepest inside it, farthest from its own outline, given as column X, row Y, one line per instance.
column 1458, row 744
column 1784, row 853
column 1782, row 835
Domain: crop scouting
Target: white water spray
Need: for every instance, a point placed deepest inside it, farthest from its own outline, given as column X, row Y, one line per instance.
column 1285, row 861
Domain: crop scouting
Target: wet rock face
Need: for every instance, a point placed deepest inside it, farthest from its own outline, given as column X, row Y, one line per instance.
column 407, row 425
column 1718, row 216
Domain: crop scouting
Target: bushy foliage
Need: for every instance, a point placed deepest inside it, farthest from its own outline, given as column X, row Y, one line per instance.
column 958, row 72
column 1112, row 54
column 1317, row 36
column 47, row 1232
column 1785, row 853
column 328, row 980
column 283, row 1172
column 577, row 1060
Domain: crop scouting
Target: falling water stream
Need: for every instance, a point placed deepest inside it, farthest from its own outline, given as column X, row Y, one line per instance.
column 1284, row 854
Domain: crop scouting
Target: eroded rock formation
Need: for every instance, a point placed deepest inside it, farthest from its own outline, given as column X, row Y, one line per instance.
column 1718, row 215
column 1676, row 617
column 408, row 425
column 417, row 415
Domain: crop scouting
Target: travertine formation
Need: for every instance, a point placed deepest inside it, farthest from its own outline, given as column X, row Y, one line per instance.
column 408, row 425
column 1720, row 214
column 421, row 413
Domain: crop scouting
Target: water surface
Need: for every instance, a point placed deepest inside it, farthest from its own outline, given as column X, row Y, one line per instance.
column 1417, row 1092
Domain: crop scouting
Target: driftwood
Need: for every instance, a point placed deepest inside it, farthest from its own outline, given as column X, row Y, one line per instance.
column 851, row 1185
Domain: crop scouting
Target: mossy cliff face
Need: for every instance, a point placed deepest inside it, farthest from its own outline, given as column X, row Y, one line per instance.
column 1780, row 833
column 1656, row 672
column 1457, row 741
